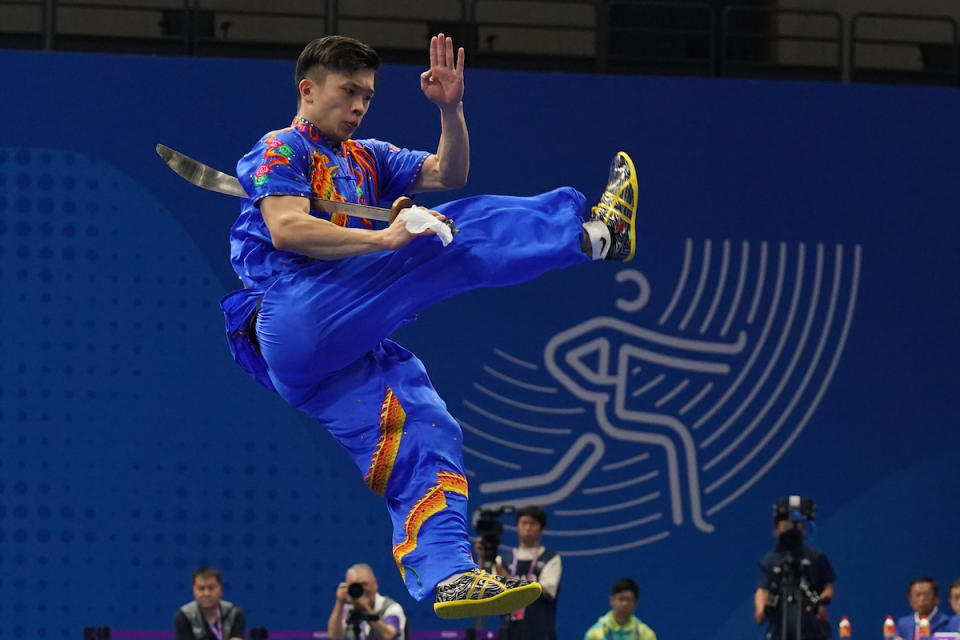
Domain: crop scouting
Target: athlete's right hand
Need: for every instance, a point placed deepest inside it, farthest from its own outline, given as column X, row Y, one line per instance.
column 396, row 235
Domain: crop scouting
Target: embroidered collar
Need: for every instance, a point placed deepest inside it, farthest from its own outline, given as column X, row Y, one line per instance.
column 303, row 125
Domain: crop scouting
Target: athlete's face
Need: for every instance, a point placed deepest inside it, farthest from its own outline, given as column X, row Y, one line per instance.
column 337, row 105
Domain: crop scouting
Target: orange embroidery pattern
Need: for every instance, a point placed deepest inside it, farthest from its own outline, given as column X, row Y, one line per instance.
column 430, row 504
column 392, row 419
column 322, row 172
column 453, row 482
column 433, row 502
column 366, row 168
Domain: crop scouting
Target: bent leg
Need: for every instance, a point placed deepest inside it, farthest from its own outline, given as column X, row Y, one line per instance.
column 384, row 411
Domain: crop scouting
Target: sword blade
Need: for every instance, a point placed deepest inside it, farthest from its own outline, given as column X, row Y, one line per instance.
column 206, row 177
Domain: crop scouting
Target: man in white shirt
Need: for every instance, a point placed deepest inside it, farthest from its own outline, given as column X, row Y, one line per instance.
column 358, row 606
column 531, row 560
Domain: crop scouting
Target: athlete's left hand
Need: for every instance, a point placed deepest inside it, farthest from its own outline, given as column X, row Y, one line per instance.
column 442, row 83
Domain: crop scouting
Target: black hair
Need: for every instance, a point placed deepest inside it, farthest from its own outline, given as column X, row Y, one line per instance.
column 334, row 53
column 535, row 512
column 625, row 584
column 206, row 572
column 921, row 579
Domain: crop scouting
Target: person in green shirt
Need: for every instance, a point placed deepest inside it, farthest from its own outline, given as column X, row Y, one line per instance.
column 620, row 623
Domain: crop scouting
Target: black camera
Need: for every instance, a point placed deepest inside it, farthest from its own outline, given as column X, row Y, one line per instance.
column 490, row 529
column 355, row 589
column 796, row 510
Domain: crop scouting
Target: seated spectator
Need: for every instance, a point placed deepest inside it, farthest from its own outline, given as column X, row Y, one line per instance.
column 359, row 607
column 620, row 623
column 209, row 617
column 924, row 598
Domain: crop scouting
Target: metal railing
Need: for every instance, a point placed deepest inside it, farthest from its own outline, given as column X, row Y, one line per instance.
column 926, row 54
column 659, row 37
column 752, row 45
column 687, row 37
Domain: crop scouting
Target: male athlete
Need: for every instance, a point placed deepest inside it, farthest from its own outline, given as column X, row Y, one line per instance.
column 324, row 290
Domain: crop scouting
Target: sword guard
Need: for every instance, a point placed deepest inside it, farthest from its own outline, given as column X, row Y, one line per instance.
column 401, row 203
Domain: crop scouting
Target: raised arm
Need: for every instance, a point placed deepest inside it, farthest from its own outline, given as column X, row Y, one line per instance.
column 442, row 84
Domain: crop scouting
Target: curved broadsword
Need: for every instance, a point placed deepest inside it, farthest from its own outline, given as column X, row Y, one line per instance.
column 206, row 177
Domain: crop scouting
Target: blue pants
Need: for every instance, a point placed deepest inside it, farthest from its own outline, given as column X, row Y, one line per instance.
column 322, row 333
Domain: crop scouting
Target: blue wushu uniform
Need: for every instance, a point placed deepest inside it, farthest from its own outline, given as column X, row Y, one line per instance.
column 319, row 338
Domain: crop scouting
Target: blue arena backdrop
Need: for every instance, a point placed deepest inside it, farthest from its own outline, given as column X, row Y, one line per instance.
column 789, row 326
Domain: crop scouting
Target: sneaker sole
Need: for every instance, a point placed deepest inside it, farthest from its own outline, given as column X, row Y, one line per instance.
column 506, row 602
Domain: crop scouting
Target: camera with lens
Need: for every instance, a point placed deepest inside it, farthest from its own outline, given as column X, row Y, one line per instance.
column 490, row 529
column 796, row 510
column 355, row 590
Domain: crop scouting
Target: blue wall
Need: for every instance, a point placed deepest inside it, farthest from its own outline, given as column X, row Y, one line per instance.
column 788, row 326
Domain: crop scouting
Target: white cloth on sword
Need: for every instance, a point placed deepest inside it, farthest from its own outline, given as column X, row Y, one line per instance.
column 419, row 219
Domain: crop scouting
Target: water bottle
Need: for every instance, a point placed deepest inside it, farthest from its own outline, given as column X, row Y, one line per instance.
column 923, row 629
column 889, row 628
column 844, row 630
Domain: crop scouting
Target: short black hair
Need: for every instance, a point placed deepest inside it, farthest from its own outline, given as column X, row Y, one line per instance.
column 335, row 53
column 535, row 512
column 205, row 572
column 920, row 579
column 625, row 584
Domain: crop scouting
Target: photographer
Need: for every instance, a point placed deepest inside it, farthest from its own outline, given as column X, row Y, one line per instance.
column 795, row 582
column 360, row 613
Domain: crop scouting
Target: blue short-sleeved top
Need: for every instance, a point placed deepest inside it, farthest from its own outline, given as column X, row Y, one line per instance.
column 300, row 161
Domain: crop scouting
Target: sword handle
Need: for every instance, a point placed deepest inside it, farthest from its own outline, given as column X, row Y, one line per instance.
column 401, row 203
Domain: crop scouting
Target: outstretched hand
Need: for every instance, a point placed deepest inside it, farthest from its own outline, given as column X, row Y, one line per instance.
column 442, row 83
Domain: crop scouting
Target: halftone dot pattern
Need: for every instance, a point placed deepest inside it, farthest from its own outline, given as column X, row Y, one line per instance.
column 137, row 449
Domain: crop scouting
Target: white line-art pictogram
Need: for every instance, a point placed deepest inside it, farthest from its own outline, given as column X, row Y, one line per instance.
column 629, row 427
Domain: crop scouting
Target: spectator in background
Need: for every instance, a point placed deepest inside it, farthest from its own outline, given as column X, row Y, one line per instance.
column 924, row 599
column 532, row 561
column 954, row 624
column 358, row 601
column 620, row 623
column 209, row 617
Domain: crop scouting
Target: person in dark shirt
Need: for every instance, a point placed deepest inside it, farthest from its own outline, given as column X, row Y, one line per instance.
column 209, row 616
column 794, row 581
column 533, row 561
